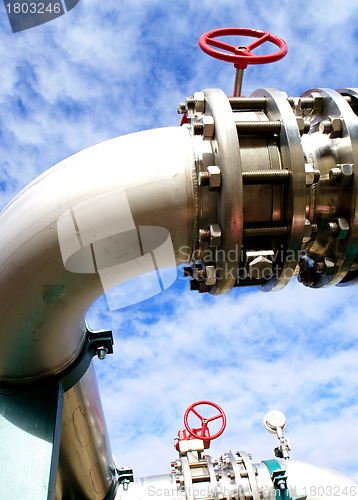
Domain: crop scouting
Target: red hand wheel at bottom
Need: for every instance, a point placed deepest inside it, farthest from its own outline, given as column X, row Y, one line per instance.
column 204, row 433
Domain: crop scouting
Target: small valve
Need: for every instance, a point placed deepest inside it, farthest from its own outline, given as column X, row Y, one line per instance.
column 275, row 421
column 241, row 55
column 202, row 433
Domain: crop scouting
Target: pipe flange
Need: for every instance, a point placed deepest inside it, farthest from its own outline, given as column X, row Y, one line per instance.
column 343, row 249
column 292, row 159
column 230, row 202
column 352, row 129
column 251, row 475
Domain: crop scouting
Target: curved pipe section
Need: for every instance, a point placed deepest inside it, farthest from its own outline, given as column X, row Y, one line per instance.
column 112, row 212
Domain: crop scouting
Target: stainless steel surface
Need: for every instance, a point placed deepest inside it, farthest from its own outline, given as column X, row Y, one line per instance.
column 86, row 468
column 239, row 75
column 318, row 482
column 292, row 159
column 332, row 201
column 230, row 206
column 291, row 188
column 236, row 476
column 143, row 488
column 43, row 304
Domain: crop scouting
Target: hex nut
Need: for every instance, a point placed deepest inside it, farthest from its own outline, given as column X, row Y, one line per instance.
column 199, row 102
column 211, row 178
column 347, row 170
column 329, row 266
column 208, row 126
column 214, row 176
column 307, row 231
column 336, row 123
column 303, row 125
column 310, row 178
column 215, row 235
column 300, row 124
column 260, row 268
column 210, row 275
column 318, row 102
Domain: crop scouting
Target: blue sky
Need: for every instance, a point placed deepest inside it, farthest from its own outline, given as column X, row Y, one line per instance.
column 111, row 68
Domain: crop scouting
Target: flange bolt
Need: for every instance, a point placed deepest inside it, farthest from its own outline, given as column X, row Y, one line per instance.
column 102, row 352
column 211, row 178
column 339, row 228
column 342, row 173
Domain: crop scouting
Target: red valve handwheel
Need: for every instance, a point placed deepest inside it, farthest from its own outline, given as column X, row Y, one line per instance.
column 202, row 434
column 241, row 56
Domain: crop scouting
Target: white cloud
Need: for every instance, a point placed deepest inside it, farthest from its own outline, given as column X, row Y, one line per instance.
column 249, row 352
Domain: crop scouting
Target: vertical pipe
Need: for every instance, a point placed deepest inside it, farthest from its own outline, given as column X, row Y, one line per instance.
column 86, row 467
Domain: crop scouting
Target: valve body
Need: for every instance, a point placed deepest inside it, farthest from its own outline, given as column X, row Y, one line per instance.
column 276, row 189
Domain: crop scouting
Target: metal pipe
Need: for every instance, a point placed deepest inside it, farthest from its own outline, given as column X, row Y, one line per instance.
column 86, row 467
column 239, row 75
column 117, row 210
column 62, row 235
column 301, row 480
